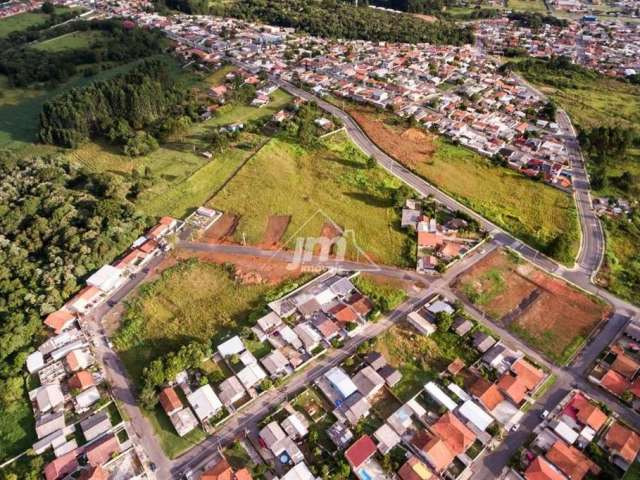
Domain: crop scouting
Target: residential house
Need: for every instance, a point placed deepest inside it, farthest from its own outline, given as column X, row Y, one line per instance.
column 102, row 450
column 623, row 444
column 230, row 391
column 362, row 450
column 296, row 426
column 183, row 421
column 81, row 381
column 170, row 401
column 387, row 438
column 204, row 402
column 570, row 461
column 541, row 469
column 482, row 342
column 368, row 381
column 415, row 469
column 223, row 471
column 48, row 423
column 95, row 425
column 60, row 320
column 354, row 408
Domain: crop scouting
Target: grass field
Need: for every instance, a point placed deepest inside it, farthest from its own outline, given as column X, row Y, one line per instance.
column 70, row 41
column 22, row 21
column 418, row 357
column 245, row 113
column 549, row 314
column 532, row 211
column 535, row 6
column 17, row 429
column 191, row 301
column 330, row 184
column 172, row 444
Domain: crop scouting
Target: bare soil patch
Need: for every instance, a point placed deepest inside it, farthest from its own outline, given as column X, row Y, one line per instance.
column 248, row 269
column 276, row 227
column 556, row 322
column 222, row 229
column 410, row 146
column 426, row 18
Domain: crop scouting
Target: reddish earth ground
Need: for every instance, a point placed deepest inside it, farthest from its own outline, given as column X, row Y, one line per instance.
column 554, row 320
column 410, row 146
column 222, row 229
column 276, row 227
column 426, row 18
column 248, row 269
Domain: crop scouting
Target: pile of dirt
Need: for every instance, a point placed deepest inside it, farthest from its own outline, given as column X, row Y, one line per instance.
column 250, row 277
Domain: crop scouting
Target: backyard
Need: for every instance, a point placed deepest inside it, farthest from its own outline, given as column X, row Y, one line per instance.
column 70, row 41
column 548, row 313
column 534, row 212
column 287, row 192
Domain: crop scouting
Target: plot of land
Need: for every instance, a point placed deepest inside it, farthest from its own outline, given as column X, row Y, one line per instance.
column 244, row 113
column 536, row 6
column 70, row 41
column 22, row 21
column 222, row 229
column 550, row 314
column 276, row 227
column 535, row 212
column 328, row 184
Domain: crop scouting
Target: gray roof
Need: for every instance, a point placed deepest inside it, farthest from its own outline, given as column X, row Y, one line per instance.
column 49, row 423
column 391, row 375
column 95, row 425
column 462, row 326
column 368, row 381
column 483, row 342
column 375, row 359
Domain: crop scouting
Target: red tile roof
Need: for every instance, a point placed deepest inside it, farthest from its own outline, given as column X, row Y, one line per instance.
column 62, row 466
column 625, row 365
column 344, row 314
column 59, row 320
column 591, row 415
column 571, row 461
column 529, row 375
column 93, row 473
column 88, row 293
column 614, row 382
column 220, row 471
column 414, row 469
column 148, row 246
column 623, row 441
column 454, row 433
column 435, row 450
column 513, row 387
column 540, row 469
column 81, row 380
column 429, row 240
column 169, row 400
column 487, row 393
column 360, row 304
column 101, row 451
column 361, row 451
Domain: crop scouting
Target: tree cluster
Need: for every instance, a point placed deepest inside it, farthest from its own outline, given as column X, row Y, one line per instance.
column 536, row 20
column 164, row 369
column 24, row 65
column 333, row 18
column 116, row 109
column 57, row 225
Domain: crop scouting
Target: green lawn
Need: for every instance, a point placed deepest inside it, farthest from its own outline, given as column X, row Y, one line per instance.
column 329, row 184
column 536, row 6
column 173, row 444
column 532, row 211
column 244, row 113
column 17, row 429
column 70, row 41
column 22, row 21
column 191, row 301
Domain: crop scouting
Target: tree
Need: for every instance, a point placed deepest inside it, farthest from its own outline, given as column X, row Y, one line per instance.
column 445, row 320
column 11, row 391
column 48, row 8
column 140, row 144
column 371, row 162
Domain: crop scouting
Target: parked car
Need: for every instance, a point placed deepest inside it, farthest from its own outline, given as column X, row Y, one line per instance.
column 544, row 414
column 515, row 427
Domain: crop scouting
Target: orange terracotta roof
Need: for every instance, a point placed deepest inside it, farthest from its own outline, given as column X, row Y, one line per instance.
column 81, row 380
column 343, row 313
column 430, row 240
column 94, row 473
column 243, row 474
column 148, row 246
column 166, row 220
column 571, row 461
column 59, row 319
column 414, row 469
column 625, row 365
column 614, row 382
column 623, row 441
column 591, row 415
column 360, row 303
column 451, row 249
column 529, row 375
column 87, row 293
column 540, row 469
column 456, row 366
column 454, row 433
column 436, row 451
column 487, row 393
column 62, row 466
column 220, row 471
column 101, row 450
column 513, row 387
column 169, row 400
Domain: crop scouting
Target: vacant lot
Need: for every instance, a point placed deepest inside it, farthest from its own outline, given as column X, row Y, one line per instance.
column 548, row 313
column 534, row 212
column 420, row 358
column 536, row 6
column 328, row 184
column 17, row 23
column 70, row 41
column 245, row 113
column 192, row 300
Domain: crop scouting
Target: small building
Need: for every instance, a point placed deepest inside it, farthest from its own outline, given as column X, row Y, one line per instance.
column 204, row 402
column 340, row 435
column 392, row 376
column 462, row 326
column 362, row 450
column 48, row 423
column 230, row 347
column 475, row 414
column 170, row 401
column 48, row 397
column 60, row 320
column 230, row 391
column 483, row 342
column 251, row 375
column 439, row 396
column 271, row 435
column 102, row 450
column 105, row 279
column 81, row 380
column 95, row 425
column 87, row 398
column 309, row 337
column 183, row 421
column 368, row 381
column 296, row 426
column 375, row 359
column 341, row 382
column 275, row 363
column 387, row 438
column 299, row 472
column 354, row 408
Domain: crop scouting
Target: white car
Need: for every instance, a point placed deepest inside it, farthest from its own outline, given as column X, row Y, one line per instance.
column 515, row 427
column 544, row 414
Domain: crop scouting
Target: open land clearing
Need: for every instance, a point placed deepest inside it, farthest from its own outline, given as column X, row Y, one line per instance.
column 70, row 41
column 23, row 21
column 534, row 6
column 548, row 313
column 327, row 184
column 532, row 211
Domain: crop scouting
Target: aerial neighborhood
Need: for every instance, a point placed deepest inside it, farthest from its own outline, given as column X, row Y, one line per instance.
column 458, row 336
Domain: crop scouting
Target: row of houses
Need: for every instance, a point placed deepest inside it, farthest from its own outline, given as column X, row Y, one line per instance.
column 565, row 443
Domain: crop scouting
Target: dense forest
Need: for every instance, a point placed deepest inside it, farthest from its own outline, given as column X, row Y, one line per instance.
column 333, row 18
column 536, row 20
column 24, row 65
column 117, row 109
column 57, row 225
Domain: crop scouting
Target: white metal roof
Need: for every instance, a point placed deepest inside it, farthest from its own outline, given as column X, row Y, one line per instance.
column 298, row 472
column 88, row 397
column 439, row 396
column 476, row 415
column 250, row 375
column 565, row 432
column 231, row 347
column 35, row 362
column 205, row 402
column 341, row 382
column 106, row 278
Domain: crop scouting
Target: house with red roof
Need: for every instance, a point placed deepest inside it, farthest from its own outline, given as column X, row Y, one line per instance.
column 433, row 449
column 102, row 450
column 541, row 469
column 62, row 466
column 84, row 299
column 81, row 380
column 223, row 471
column 60, row 320
column 570, row 461
column 623, row 444
column 170, row 401
column 614, row 382
column 362, row 450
